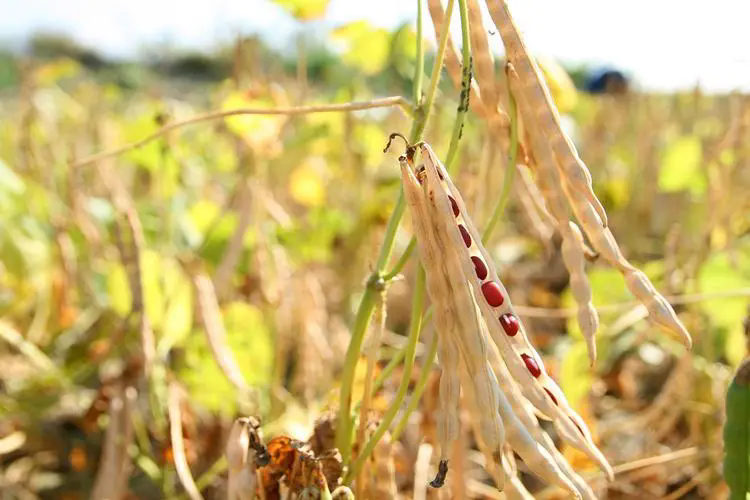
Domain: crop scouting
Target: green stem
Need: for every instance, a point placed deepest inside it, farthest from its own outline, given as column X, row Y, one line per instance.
column 343, row 437
column 419, row 70
column 401, row 261
column 396, row 359
column 463, row 101
column 424, row 374
column 208, row 477
column 426, row 108
column 367, row 302
column 411, row 347
column 458, row 125
column 510, row 169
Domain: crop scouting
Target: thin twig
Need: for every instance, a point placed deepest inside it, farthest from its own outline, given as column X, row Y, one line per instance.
column 688, row 298
column 131, row 254
column 694, row 482
column 223, row 275
column 28, row 349
column 415, row 327
column 178, row 445
column 385, row 102
column 114, row 465
column 372, row 352
column 216, row 334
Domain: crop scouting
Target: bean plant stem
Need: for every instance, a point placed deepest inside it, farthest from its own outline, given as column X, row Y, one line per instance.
column 463, row 101
column 416, row 396
column 414, row 328
column 510, row 169
column 419, row 287
column 367, row 302
column 419, row 70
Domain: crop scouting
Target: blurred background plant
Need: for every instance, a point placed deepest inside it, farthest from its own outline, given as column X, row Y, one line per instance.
column 216, row 271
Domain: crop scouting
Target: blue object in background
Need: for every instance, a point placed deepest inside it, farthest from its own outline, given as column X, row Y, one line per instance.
column 607, row 81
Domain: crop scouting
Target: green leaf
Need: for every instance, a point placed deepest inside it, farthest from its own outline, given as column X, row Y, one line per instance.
column 365, row 47
column 681, row 167
column 607, row 287
column 575, row 374
column 118, row 288
column 721, row 273
column 737, row 435
column 304, row 10
column 178, row 312
column 251, row 343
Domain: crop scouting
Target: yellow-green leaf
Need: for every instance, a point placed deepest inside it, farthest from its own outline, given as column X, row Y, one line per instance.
column 721, row 274
column 561, row 86
column 118, row 289
column 681, row 166
column 178, row 312
column 365, row 47
column 304, row 10
column 251, row 343
column 306, row 184
column 575, row 373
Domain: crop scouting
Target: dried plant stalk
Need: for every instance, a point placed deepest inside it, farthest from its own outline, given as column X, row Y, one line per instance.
column 130, row 254
column 215, row 333
column 242, row 456
column 115, row 463
column 382, row 480
column 178, row 444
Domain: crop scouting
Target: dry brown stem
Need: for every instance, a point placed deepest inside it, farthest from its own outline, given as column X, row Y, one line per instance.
column 178, row 444
column 384, row 102
column 114, row 465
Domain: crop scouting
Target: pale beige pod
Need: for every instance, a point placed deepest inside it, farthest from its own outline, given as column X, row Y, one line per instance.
column 535, row 98
column 496, row 119
column 659, row 310
column 575, row 262
column 449, row 390
column 523, row 361
column 484, row 64
column 455, row 317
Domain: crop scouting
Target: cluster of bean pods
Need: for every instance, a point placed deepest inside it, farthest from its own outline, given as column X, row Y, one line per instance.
column 482, row 340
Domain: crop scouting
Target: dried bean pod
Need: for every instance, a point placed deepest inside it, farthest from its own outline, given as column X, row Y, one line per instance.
column 588, row 319
column 484, row 64
column 523, row 361
column 535, row 97
column 447, row 419
column 496, row 119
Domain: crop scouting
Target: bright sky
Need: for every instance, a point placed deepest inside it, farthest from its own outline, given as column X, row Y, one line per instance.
column 666, row 44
